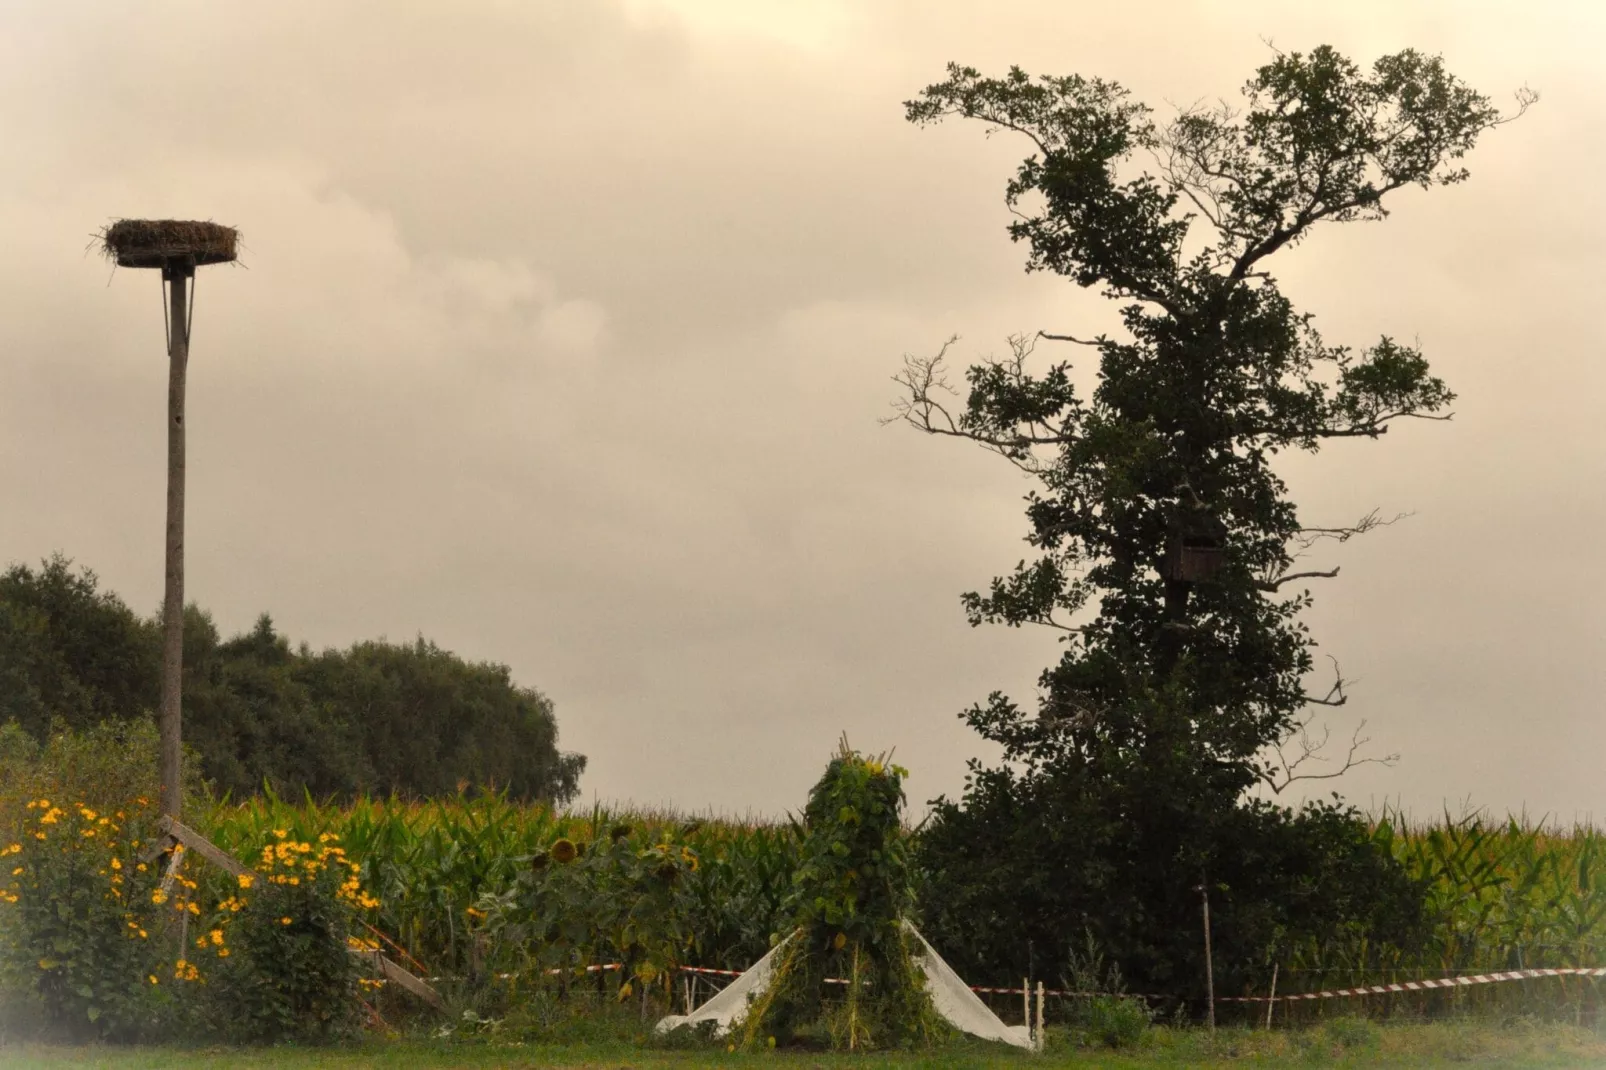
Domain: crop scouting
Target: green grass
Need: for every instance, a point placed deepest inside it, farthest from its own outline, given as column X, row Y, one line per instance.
column 1337, row 1044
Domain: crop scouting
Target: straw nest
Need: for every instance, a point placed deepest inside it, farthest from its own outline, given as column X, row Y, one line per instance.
column 154, row 243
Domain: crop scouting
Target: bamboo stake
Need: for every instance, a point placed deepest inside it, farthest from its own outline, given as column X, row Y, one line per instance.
column 1040, row 1038
column 1271, row 1000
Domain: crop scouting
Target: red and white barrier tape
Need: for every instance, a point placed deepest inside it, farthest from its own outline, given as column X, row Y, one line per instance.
column 1419, row 986
column 1364, row 990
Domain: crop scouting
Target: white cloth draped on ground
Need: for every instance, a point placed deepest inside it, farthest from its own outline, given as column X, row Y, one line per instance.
column 951, row 997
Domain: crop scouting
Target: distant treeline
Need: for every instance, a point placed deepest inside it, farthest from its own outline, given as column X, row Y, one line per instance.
column 377, row 717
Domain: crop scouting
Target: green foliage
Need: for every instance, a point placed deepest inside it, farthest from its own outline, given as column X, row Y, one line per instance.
column 71, row 652
column 851, row 894
column 79, row 932
column 281, row 967
column 620, row 899
column 405, row 718
column 1165, row 538
column 431, row 864
column 103, row 765
column 1029, row 859
column 1499, row 896
column 1113, row 1021
column 1101, row 1015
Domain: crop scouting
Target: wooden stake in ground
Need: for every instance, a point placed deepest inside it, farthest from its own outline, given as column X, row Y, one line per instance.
column 177, row 247
column 1210, row 969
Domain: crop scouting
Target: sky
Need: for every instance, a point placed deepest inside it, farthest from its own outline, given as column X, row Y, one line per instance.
column 564, row 331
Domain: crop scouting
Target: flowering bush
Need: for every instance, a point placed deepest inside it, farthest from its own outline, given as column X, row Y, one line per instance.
column 79, row 915
column 277, row 947
column 87, row 933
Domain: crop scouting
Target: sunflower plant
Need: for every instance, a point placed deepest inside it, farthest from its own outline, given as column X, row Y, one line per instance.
column 623, row 899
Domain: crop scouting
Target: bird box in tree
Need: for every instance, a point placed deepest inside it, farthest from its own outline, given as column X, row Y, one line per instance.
column 1197, row 548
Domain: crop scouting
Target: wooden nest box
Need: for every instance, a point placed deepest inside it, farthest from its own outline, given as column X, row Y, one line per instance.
column 169, row 243
column 1197, row 548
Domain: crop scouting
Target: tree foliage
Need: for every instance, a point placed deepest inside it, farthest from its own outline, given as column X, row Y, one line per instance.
column 1180, row 684
column 410, row 719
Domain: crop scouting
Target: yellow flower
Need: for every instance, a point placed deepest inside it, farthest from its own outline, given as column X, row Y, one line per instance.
column 89, row 832
column 143, row 935
column 471, row 912
column 295, row 880
column 140, row 867
column 158, row 897
column 222, row 952
column 193, row 909
column 280, row 834
column 14, row 849
column 152, row 979
column 117, row 863
column 284, row 921
column 17, row 872
column 217, row 936
column 246, row 880
column 87, row 815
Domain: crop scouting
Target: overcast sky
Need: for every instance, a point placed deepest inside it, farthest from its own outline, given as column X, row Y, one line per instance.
column 565, row 329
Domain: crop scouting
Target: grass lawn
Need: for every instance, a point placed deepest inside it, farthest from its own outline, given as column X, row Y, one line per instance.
column 1458, row 1044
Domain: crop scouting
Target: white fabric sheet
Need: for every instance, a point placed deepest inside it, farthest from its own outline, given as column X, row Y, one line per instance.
column 951, row 997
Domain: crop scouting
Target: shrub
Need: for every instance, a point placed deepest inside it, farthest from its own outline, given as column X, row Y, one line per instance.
column 281, row 967
column 1113, row 1021
column 80, row 935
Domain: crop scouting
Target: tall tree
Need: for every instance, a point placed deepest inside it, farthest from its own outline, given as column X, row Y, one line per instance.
column 1167, row 544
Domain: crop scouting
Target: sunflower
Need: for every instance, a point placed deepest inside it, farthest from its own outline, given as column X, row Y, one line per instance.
column 564, row 851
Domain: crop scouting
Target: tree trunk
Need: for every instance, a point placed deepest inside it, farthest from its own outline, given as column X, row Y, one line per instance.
column 171, row 721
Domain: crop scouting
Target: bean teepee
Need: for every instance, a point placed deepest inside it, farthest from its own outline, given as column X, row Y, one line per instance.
column 852, row 966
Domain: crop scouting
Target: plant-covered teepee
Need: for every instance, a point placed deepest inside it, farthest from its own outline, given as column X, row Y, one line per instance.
column 849, row 899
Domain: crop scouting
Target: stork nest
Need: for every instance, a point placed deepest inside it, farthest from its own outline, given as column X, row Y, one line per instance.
column 156, row 243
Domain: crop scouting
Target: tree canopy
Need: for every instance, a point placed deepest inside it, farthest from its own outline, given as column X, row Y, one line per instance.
column 1166, row 543
column 410, row 719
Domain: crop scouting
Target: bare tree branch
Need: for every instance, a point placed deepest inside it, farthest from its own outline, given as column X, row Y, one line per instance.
column 1305, row 538
column 923, row 378
column 1274, row 584
column 1286, row 770
column 1069, row 338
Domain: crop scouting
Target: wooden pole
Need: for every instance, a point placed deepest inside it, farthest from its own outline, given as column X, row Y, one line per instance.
column 1271, row 1000
column 1210, row 969
column 1040, row 1037
column 171, row 717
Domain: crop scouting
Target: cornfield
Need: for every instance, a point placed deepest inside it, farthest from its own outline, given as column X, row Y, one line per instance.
column 1500, row 896
column 432, row 864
